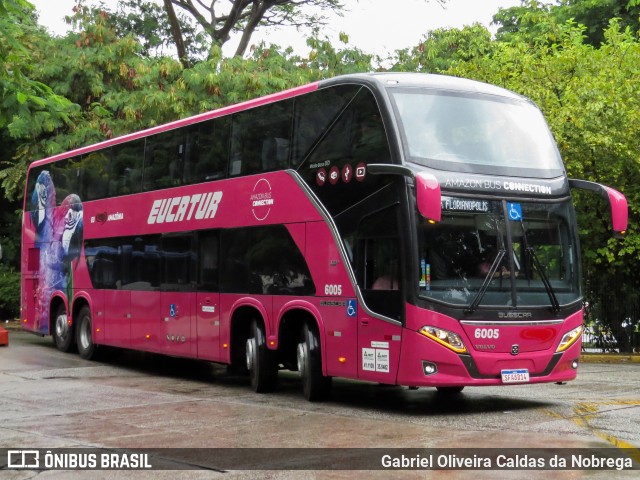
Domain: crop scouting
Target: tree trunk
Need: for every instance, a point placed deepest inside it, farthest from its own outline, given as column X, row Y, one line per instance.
column 176, row 33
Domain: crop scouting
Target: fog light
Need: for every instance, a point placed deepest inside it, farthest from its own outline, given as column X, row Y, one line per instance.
column 429, row 368
column 574, row 364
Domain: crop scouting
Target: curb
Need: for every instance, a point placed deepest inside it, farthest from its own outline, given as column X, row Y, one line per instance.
column 609, row 358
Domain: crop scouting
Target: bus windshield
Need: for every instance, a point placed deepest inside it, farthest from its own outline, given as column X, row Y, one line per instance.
column 475, row 133
column 499, row 253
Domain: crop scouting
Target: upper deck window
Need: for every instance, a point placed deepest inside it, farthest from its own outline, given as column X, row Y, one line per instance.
column 475, row 133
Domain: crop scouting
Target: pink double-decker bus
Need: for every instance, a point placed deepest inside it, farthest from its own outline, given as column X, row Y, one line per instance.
column 397, row 228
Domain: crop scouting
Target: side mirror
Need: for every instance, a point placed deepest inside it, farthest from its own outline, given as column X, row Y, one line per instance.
column 428, row 194
column 617, row 203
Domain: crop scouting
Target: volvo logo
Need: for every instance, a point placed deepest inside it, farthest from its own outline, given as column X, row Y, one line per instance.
column 486, row 347
column 515, row 349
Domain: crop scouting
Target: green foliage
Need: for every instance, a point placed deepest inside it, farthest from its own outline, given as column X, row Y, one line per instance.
column 444, row 48
column 9, row 292
column 595, row 15
column 28, row 107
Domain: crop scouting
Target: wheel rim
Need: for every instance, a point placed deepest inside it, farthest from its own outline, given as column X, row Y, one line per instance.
column 85, row 335
column 61, row 326
column 302, row 358
column 251, row 346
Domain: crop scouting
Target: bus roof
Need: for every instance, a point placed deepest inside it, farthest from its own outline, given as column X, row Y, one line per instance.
column 423, row 80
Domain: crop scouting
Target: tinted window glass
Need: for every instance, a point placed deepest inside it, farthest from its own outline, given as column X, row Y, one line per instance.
column 260, row 139
column 336, row 169
column 314, row 114
column 127, row 168
column 378, row 262
column 178, row 262
column 65, row 175
column 128, row 263
column 208, row 261
column 207, row 150
column 95, row 175
column 263, row 260
column 164, row 160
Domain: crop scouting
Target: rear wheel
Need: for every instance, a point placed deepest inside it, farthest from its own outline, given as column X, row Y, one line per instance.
column 263, row 370
column 84, row 334
column 62, row 331
column 315, row 386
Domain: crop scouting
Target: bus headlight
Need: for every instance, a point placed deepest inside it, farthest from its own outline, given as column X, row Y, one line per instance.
column 444, row 337
column 569, row 339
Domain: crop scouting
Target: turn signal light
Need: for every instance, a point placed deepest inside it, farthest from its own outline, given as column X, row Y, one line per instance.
column 444, row 337
column 569, row 339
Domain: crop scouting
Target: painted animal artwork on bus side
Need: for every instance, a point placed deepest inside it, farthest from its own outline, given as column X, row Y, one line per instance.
column 58, row 235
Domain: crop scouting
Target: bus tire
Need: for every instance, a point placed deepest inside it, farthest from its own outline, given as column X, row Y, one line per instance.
column 449, row 390
column 84, row 334
column 62, row 334
column 315, row 386
column 263, row 370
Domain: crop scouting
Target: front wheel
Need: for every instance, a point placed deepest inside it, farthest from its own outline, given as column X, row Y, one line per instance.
column 315, row 386
column 62, row 331
column 263, row 370
column 84, row 334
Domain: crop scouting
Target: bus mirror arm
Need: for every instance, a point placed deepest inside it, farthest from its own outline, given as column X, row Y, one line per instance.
column 617, row 202
column 428, row 193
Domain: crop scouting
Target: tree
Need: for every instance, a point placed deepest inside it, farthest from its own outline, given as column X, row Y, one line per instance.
column 245, row 16
column 595, row 15
column 28, row 107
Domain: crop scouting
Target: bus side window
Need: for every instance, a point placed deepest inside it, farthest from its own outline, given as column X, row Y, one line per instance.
column 128, row 159
column 208, row 261
column 95, row 175
column 260, row 139
column 207, row 150
column 163, row 162
column 378, row 262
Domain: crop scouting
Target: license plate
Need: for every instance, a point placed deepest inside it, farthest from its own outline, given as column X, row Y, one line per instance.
column 521, row 375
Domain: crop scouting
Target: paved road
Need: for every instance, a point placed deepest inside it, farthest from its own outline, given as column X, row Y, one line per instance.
column 130, row 400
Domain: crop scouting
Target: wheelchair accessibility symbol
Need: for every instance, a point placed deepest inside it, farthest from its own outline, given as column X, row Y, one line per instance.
column 173, row 310
column 515, row 211
column 351, row 308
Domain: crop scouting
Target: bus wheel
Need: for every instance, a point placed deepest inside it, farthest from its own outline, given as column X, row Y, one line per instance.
column 315, row 386
column 449, row 390
column 62, row 333
column 261, row 364
column 84, row 336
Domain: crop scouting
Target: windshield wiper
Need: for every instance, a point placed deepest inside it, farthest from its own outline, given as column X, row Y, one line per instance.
column 487, row 280
column 555, row 306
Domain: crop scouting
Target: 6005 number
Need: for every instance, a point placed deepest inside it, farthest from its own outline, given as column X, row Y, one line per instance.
column 333, row 289
column 487, row 333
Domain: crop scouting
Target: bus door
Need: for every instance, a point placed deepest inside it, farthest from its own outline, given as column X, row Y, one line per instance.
column 177, row 295
column 379, row 276
column 208, row 298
